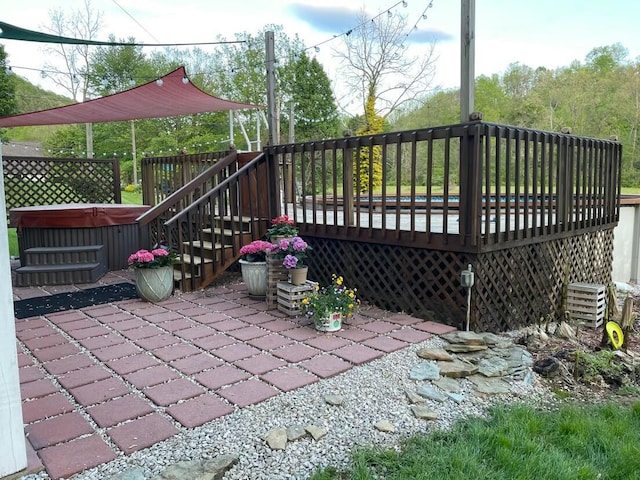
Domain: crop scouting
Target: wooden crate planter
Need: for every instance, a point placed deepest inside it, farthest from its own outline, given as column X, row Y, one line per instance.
column 587, row 303
column 275, row 273
column 290, row 296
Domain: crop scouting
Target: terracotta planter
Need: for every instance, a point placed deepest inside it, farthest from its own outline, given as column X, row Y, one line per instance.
column 298, row 276
column 331, row 323
column 154, row 284
column 254, row 276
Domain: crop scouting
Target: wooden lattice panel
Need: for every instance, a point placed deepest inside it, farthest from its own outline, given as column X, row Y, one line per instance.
column 513, row 287
column 518, row 286
column 51, row 181
column 425, row 283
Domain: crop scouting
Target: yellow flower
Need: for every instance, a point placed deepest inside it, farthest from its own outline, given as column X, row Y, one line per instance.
column 351, row 294
column 351, row 305
column 339, row 281
column 305, row 301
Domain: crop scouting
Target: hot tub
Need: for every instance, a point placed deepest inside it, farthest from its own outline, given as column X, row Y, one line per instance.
column 80, row 224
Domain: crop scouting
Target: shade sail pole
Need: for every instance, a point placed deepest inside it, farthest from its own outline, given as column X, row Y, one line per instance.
column 271, row 88
column 467, row 58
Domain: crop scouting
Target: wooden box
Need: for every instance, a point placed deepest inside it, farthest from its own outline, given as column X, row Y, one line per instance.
column 290, row 296
column 586, row 302
column 275, row 273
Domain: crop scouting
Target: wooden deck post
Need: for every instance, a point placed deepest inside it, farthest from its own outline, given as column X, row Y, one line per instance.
column 13, row 454
column 470, row 186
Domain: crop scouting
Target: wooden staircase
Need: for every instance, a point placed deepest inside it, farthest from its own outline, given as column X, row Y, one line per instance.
column 210, row 218
column 215, row 253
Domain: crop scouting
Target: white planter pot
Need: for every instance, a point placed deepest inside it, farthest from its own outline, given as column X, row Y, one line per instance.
column 254, row 276
column 154, row 284
column 332, row 323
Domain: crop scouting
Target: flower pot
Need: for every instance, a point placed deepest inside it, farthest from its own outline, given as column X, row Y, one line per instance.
column 275, row 239
column 298, row 276
column 330, row 323
column 254, row 276
column 154, row 284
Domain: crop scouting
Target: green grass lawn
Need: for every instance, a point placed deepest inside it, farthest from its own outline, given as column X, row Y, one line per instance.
column 131, row 197
column 516, row 442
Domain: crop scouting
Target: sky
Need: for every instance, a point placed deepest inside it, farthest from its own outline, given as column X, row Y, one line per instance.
column 548, row 33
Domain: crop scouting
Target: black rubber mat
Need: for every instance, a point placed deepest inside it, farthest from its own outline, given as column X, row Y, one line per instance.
column 33, row 307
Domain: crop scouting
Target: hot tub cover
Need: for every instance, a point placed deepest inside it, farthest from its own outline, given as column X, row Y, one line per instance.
column 76, row 215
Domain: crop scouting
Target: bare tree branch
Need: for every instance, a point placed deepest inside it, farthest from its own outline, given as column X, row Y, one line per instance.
column 85, row 24
column 376, row 62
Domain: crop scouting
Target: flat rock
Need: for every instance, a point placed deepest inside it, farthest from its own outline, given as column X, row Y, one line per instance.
column 434, row 354
column 316, row 432
column 457, row 369
column 384, row 426
column 464, row 348
column 448, row 384
column 135, row 473
column 334, row 400
column 489, row 386
column 430, row 393
column 276, row 438
column 492, row 339
column 456, row 397
column 413, row 396
column 466, row 338
column 423, row 412
column 424, row 371
column 212, row 469
column 493, row 366
column 295, row 432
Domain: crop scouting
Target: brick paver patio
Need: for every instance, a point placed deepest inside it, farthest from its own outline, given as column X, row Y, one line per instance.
column 113, row 379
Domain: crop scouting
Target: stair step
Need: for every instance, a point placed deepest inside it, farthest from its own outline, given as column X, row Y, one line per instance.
column 61, row 274
column 195, row 259
column 209, row 246
column 65, row 255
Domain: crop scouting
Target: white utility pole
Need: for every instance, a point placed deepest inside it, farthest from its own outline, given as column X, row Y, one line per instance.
column 13, row 453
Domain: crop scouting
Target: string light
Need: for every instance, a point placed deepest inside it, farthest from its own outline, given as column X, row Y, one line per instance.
column 346, row 33
column 159, row 82
column 185, row 80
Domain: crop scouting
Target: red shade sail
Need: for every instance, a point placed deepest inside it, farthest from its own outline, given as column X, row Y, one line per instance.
column 175, row 96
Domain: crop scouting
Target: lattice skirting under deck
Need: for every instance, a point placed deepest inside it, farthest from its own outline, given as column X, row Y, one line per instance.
column 513, row 287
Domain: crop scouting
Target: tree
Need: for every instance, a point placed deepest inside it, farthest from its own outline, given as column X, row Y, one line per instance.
column 384, row 77
column 376, row 62
column 84, row 24
column 315, row 111
column 8, row 103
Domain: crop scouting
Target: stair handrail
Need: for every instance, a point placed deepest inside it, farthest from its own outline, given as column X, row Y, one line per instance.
column 229, row 183
column 179, row 195
column 215, row 190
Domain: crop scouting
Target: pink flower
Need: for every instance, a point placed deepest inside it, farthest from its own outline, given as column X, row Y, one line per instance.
column 160, row 252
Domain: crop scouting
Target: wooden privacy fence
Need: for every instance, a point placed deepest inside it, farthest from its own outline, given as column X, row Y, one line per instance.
column 51, row 181
column 527, row 209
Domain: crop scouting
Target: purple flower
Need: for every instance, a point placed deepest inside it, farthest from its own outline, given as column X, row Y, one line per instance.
column 299, row 245
column 290, row 261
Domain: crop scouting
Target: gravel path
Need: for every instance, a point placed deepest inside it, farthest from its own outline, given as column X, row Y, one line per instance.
column 371, row 392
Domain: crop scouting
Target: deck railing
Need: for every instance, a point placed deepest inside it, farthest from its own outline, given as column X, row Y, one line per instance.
column 161, row 176
column 183, row 197
column 469, row 187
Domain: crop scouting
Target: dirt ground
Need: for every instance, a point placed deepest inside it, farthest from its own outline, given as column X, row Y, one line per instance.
column 584, row 366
